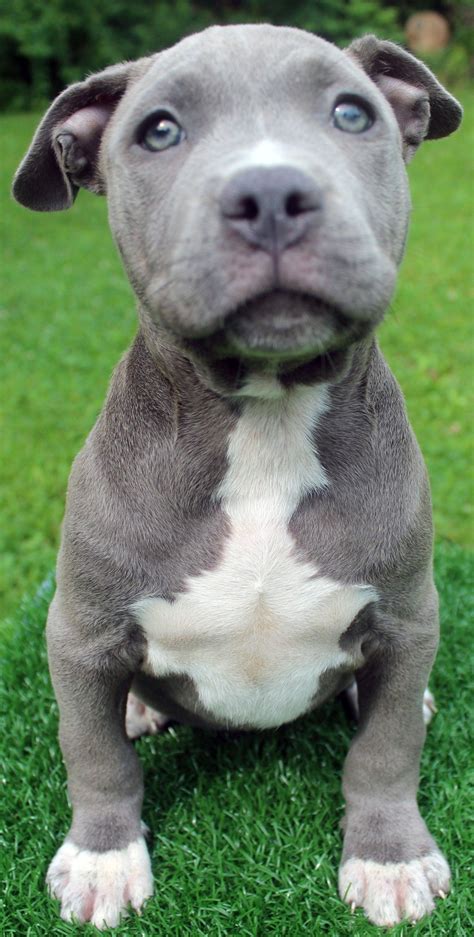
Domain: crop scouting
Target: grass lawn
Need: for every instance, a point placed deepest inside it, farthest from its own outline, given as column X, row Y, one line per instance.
column 245, row 830
column 67, row 313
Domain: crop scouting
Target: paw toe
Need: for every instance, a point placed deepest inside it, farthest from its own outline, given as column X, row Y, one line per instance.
column 436, row 870
column 417, row 899
column 352, row 881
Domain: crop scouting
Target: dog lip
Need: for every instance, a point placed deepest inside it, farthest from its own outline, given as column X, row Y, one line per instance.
column 284, row 324
column 314, row 303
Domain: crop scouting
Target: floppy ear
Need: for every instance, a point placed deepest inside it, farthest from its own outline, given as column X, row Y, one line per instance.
column 63, row 155
column 423, row 108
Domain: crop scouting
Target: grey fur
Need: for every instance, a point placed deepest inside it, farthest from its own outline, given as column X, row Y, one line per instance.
column 141, row 513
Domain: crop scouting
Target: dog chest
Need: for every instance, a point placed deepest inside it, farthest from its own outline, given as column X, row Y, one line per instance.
column 256, row 633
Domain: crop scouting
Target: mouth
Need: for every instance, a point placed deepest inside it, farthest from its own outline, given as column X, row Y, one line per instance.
column 280, row 325
column 280, row 330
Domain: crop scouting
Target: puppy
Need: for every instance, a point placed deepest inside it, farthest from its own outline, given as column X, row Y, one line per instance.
column 248, row 526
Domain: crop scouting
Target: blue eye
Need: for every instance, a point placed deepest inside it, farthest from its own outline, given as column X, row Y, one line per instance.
column 352, row 117
column 161, row 133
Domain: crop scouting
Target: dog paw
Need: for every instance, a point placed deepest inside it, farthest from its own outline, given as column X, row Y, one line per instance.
column 141, row 719
column 429, row 706
column 351, row 702
column 99, row 886
column 394, row 891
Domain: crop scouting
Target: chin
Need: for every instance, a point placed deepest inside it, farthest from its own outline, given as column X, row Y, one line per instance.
column 278, row 338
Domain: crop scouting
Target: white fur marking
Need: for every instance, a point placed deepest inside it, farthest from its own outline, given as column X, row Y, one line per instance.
column 263, row 387
column 393, row 891
column 98, row 886
column 256, row 634
column 264, row 154
column 267, row 153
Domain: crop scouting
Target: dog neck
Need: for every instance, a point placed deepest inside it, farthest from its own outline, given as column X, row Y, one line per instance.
column 234, row 381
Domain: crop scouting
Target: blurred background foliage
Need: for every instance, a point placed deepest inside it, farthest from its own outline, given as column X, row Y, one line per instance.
column 44, row 46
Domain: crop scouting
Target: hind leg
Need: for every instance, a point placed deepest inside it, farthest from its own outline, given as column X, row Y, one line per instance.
column 141, row 719
column 350, row 702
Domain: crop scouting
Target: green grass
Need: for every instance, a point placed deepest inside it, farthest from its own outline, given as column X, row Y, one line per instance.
column 246, row 836
column 428, row 335
column 67, row 313
column 245, row 830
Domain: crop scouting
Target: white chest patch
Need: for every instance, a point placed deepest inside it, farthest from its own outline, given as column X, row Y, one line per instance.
column 256, row 633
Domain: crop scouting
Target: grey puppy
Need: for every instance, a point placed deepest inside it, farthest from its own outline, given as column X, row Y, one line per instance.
column 248, row 525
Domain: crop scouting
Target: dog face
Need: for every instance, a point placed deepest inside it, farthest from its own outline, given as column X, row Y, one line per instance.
column 245, row 194
column 256, row 186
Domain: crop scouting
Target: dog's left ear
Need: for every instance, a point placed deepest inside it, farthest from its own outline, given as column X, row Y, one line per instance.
column 423, row 108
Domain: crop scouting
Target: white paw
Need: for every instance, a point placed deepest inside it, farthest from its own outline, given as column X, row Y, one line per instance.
column 429, row 706
column 141, row 719
column 394, row 891
column 98, row 886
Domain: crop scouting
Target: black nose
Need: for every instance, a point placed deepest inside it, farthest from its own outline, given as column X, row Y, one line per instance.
column 271, row 208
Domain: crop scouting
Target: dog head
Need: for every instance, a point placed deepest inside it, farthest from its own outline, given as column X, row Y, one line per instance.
column 256, row 185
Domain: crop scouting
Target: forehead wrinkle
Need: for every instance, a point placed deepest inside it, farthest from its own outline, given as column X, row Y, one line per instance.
column 177, row 87
column 320, row 70
column 228, row 55
column 311, row 72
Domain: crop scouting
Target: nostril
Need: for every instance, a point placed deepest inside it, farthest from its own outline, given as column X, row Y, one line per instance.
column 296, row 203
column 246, row 208
column 293, row 204
column 250, row 208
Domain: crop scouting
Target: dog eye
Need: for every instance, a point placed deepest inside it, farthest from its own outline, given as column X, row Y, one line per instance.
column 352, row 117
column 160, row 133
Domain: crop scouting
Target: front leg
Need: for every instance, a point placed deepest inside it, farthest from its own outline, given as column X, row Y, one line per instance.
column 103, row 865
column 391, row 865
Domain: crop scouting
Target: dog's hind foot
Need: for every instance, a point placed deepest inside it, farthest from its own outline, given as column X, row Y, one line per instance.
column 141, row 719
column 350, row 701
column 429, row 707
